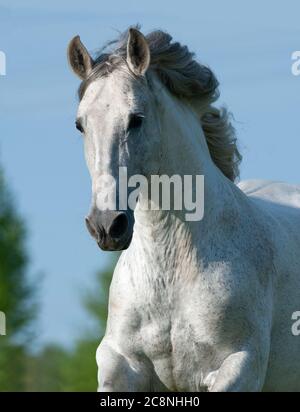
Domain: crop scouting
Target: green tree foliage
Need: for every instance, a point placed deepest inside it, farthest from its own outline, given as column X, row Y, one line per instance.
column 80, row 374
column 45, row 371
column 57, row 369
column 15, row 294
column 54, row 369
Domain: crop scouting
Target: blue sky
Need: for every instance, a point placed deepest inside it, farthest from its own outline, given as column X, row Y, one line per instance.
column 248, row 45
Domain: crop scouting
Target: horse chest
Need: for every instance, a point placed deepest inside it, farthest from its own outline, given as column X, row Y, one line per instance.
column 178, row 328
column 178, row 354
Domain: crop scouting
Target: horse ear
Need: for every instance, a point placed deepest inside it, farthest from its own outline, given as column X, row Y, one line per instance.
column 138, row 52
column 79, row 58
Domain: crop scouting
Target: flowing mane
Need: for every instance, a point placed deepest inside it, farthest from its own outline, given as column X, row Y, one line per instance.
column 186, row 79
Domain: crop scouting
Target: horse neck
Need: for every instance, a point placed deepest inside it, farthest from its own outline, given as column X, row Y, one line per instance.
column 184, row 151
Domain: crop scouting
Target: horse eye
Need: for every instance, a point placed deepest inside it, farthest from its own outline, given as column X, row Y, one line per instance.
column 135, row 122
column 79, row 126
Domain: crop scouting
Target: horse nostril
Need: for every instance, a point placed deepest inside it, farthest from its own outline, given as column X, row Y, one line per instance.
column 91, row 228
column 119, row 226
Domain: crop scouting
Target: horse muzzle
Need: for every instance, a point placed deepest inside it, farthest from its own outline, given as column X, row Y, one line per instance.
column 112, row 230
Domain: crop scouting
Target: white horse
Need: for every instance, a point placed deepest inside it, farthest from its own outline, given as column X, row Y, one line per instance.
column 194, row 306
